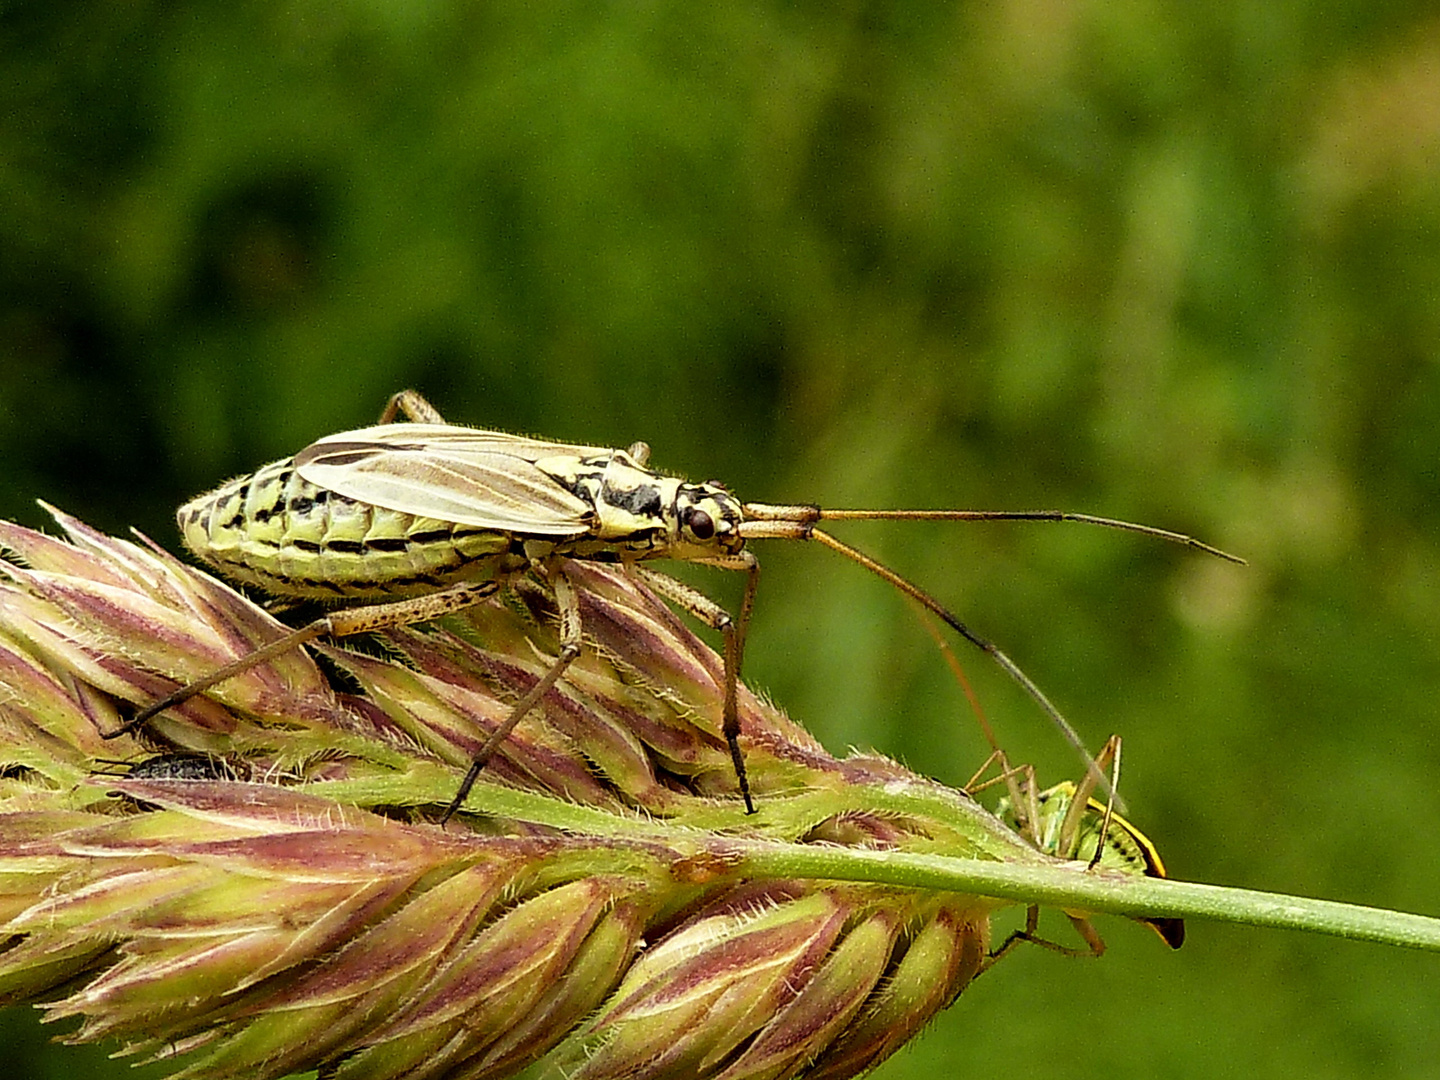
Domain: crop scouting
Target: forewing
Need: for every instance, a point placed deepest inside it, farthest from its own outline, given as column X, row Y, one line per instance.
column 482, row 479
column 456, row 438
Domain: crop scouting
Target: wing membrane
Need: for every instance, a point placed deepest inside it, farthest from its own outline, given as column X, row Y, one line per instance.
column 483, row 479
column 460, row 438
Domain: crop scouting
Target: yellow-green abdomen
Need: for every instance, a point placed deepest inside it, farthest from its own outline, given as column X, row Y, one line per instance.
column 275, row 531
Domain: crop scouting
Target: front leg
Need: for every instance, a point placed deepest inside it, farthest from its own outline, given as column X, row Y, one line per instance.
column 1094, row 944
column 732, row 631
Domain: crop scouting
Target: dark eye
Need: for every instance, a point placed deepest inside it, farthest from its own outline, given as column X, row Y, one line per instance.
column 700, row 524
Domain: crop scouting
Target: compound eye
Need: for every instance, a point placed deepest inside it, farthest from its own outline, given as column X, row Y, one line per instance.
column 700, row 524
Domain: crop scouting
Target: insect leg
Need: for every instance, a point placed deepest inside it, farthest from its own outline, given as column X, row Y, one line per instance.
column 337, row 624
column 570, row 642
column 1032, row 924
column 747, row 562
column 415, row 408
column 1019, row 781
column 1070, row 830
column 1095, row 944
column 733, row 632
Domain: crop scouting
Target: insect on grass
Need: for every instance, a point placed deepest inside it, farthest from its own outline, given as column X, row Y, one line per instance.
column 428, row 518
column 1067, row 821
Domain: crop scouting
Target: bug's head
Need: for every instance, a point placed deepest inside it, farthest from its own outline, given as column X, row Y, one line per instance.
column 706, row 522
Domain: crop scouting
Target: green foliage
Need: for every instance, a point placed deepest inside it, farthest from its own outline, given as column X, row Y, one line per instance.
column 1118, row 258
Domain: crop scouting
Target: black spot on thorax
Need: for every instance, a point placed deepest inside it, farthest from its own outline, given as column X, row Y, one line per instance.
column 643, row 500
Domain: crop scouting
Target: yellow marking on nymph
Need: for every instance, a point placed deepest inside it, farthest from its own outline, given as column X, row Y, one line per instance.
column 1067, row 822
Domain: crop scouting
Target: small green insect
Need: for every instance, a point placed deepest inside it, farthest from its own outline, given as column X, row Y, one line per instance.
column 1068, row 822
column 429, row 518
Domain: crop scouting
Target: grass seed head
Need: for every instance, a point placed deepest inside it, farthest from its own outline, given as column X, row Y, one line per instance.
column 589, row 913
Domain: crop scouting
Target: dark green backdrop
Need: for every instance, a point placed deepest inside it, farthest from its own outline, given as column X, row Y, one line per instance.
column 1173, row 262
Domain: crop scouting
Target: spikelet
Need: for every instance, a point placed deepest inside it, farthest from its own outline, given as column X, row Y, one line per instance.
column 256, row 884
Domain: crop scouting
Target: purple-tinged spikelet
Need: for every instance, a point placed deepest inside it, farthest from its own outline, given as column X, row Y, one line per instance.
column 590, row 913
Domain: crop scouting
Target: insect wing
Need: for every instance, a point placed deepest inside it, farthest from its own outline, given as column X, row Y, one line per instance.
column 481, row 479
column 456, row 435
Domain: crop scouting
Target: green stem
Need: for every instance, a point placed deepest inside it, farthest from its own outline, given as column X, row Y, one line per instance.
column 1088, row 891
column 1016, row 875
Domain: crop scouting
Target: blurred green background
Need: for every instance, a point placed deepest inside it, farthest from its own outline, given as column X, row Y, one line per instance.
column 1176, row 263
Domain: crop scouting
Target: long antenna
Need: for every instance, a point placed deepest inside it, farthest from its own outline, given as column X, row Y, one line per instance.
column 1024, row 515
column 1009, row 666
column 1007, row 774
column 766, row 521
